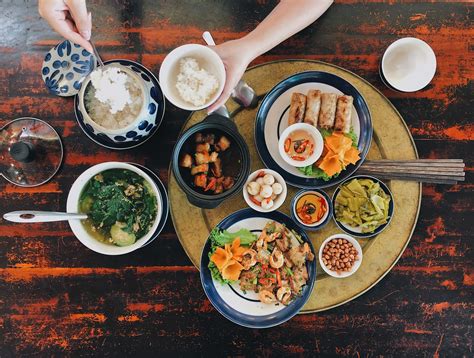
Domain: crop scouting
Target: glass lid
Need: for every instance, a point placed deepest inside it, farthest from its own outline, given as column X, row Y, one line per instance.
column 31, row 151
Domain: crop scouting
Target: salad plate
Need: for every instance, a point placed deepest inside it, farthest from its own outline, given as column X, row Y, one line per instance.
column 245, row 307
column 272, row 120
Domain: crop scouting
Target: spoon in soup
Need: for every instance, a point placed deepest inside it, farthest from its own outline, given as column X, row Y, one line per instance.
column 26, row 216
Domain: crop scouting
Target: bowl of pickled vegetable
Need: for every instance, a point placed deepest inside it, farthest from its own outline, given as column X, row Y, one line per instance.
column 362, row 206
column 123, row 206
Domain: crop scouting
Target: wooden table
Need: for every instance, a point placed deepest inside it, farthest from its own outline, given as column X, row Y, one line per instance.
column 56, row 296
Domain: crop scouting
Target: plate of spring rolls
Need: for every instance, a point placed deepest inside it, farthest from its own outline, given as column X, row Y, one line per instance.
column 327, row 102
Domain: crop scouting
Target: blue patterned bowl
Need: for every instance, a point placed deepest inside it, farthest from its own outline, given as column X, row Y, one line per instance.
column 137, row 130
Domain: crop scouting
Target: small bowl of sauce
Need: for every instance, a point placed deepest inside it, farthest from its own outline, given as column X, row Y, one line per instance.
column 300, row 145
column 311, row 209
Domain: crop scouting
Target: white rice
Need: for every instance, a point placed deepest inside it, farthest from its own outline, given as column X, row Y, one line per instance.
column 195, row 85
column 113, row 99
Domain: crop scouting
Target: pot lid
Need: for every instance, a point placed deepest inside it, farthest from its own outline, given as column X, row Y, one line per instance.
column 64, row 68
column 31, row 152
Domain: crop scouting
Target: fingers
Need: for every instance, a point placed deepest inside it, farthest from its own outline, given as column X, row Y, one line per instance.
column 65, row 28
column 81, row 18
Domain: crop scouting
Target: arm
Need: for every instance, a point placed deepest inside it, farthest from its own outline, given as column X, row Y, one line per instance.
column 69, row 18
column 286, row 19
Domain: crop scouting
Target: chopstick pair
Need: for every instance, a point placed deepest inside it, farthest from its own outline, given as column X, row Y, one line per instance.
column 437, row 171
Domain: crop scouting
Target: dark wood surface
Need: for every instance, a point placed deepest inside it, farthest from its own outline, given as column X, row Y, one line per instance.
column 57, row 297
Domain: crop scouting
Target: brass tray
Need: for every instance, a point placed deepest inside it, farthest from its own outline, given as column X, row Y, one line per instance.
column 391, row 140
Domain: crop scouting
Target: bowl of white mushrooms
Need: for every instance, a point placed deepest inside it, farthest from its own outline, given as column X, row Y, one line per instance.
column 265, row 190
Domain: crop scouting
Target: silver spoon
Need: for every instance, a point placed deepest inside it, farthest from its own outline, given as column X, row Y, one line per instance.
column 243, row 94
column 96, row 54
column 26, row 216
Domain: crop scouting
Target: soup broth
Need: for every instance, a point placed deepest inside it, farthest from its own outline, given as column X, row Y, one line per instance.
column 120, row 205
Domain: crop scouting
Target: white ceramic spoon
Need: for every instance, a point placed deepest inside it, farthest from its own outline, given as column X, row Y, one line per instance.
column 26, row 216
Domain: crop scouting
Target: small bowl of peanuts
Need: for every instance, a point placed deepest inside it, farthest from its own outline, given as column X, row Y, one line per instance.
column 340, row 255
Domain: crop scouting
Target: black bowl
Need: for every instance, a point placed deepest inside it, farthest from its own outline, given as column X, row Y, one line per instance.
column 237, row 159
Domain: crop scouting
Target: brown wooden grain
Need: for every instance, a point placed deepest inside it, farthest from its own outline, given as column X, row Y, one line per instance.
column 58, row 298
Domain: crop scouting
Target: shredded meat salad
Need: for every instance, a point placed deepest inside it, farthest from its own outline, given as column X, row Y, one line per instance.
column 272, row 264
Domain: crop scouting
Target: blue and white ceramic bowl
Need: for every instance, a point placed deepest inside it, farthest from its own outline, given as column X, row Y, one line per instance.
column 244, row 308
column 143, row 128
column 132, row 130
column 65, row 67
column 357, row 231
column 319, row 224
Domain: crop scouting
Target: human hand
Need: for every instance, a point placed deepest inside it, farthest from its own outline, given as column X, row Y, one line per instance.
column 69, row 18
column 236, row 56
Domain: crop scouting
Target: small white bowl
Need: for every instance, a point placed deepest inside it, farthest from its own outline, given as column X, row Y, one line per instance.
column 317, row 139
column 169, row 70
column 354, row 268
column 73, row 207
column 318, row 224
column 280, row 198
column 408, row 64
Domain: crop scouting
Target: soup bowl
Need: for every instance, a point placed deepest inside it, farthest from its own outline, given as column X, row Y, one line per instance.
column 73, row 206
column 138, row 128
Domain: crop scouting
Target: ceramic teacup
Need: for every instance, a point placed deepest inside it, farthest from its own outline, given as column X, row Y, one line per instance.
column 408, row 65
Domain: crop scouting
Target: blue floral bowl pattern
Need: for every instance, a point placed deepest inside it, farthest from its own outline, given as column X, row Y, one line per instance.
column 147, row 125
column 64, row 68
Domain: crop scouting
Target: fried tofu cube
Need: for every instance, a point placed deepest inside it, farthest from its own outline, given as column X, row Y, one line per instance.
column 186, row 161
column 213, row 157
column 216, row 168
column 200, row 181
column 223, row 143
column 202, row 158
column 203, row 168
column 203, row 147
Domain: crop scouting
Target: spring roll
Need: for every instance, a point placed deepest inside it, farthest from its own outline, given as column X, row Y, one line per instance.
column 297, row 108
column 343, row 114
column 313, row 104
column 328, row 110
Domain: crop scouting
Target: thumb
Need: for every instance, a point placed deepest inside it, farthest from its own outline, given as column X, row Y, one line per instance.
column 221, row 100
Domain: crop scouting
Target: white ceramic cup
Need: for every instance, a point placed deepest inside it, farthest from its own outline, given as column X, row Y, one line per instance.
column 408, row 65
column 73, row 207
column 169, row 70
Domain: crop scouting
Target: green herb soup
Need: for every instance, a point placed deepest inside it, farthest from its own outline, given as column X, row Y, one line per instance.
column 121, row 207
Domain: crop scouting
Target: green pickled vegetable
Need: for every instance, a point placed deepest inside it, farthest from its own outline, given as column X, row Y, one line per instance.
column 362, row 203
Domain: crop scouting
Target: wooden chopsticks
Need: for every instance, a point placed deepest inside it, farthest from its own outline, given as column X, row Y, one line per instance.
column 438, row 171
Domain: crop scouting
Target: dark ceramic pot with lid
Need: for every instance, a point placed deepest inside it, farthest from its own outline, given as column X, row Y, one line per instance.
column 235, row 160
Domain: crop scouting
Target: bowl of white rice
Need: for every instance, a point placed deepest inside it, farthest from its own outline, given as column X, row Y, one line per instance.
column 192, row 77
column 113, row 100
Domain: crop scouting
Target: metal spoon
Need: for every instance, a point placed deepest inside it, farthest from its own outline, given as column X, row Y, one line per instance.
column 243, row 94
column 26, row 216
column 96, row 54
